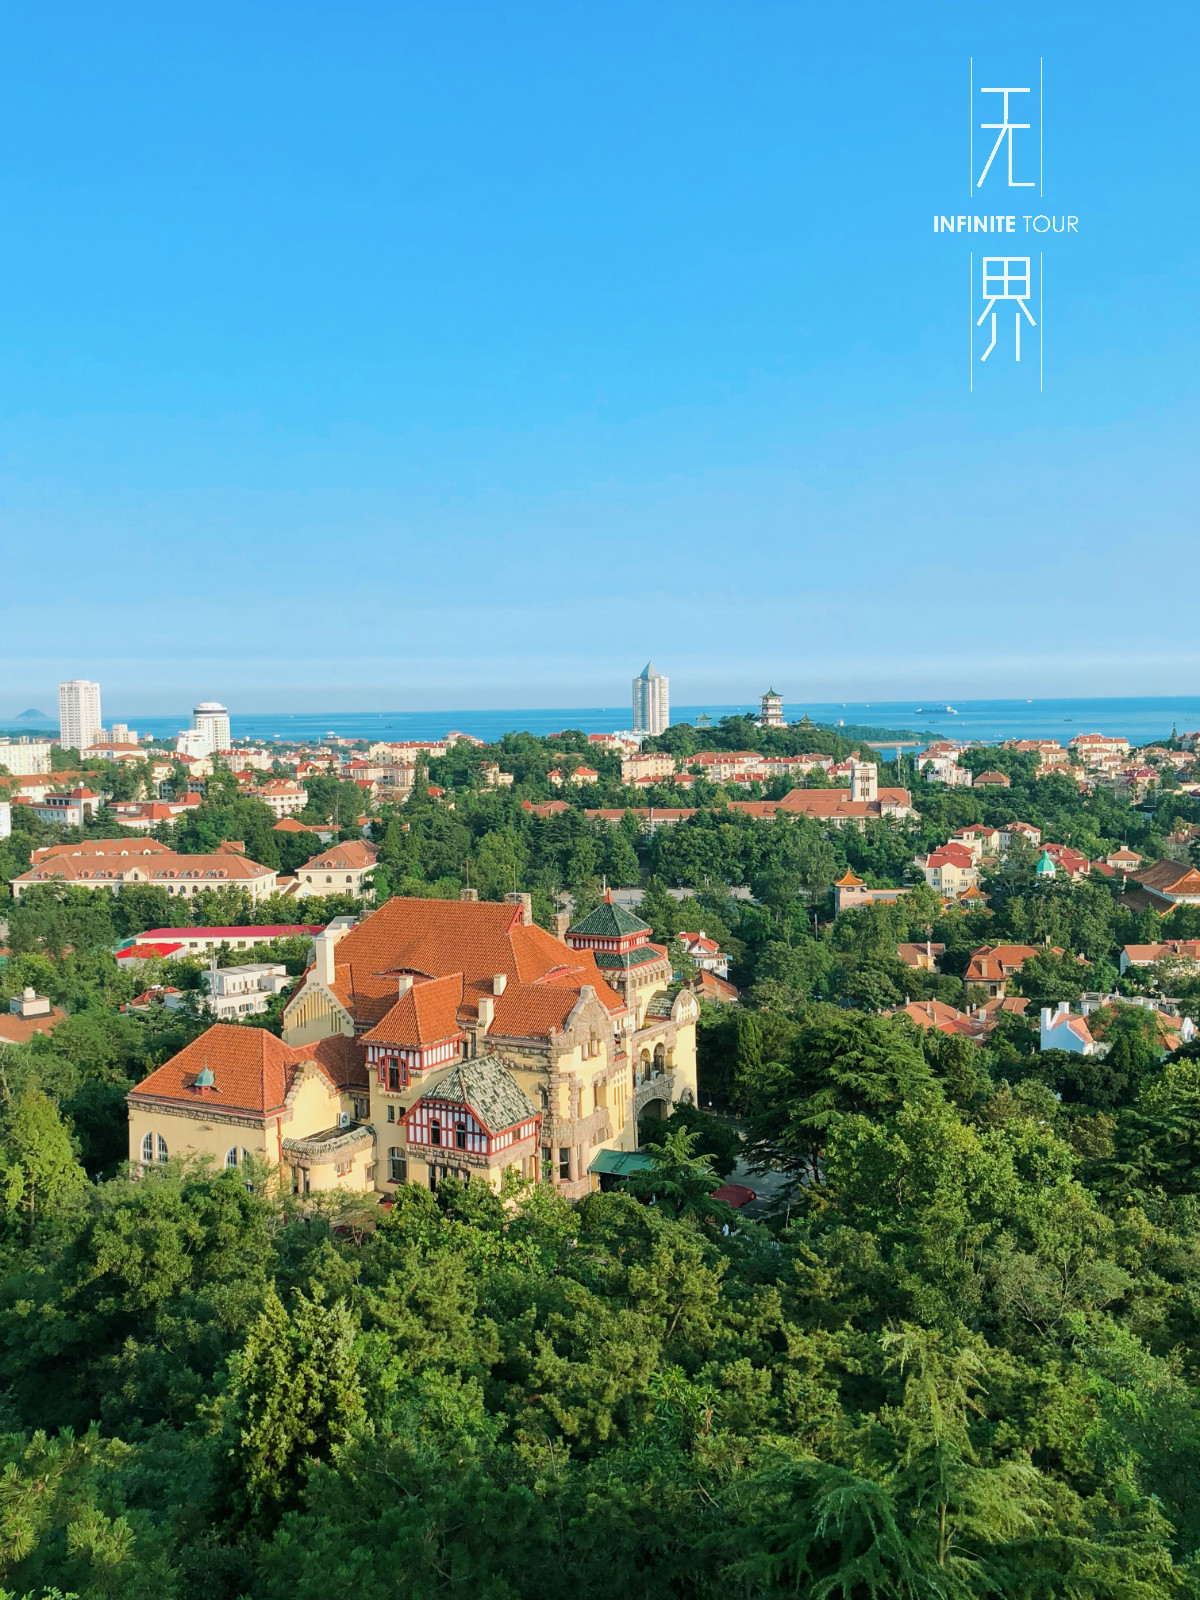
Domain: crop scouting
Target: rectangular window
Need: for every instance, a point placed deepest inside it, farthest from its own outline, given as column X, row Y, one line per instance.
column 393, row 1075
column 564, row 1162
column 435, row 1132
column 391, row 1113
column 460, row 1136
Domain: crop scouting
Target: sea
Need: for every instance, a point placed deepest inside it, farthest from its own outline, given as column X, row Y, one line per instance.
column 1139, row 720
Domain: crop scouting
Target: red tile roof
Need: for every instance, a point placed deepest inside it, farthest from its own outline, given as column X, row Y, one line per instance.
column 357, row 853
column 425, row 1014
column 253, row 1071
column 343, row 1059
column 477, row 939
column 19, row 1030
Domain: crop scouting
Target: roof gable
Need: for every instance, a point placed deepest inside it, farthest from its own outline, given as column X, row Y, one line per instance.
column 485, row 1087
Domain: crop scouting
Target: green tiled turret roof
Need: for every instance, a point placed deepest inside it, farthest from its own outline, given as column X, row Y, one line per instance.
column 609, row 921
column 614, row 960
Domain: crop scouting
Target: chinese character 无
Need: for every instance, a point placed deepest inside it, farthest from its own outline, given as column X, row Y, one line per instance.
column 1005, row 278
column 1007, row 129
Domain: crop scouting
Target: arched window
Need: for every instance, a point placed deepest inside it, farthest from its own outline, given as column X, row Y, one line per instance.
column 245, row 1157
column 460, row 1136
column 148, row 1148
column 231, row 1156
column 435, row 1131
column 162, row 1148
column 397, row 1165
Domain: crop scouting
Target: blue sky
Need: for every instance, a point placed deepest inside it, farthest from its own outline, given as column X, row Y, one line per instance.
column 411, row 356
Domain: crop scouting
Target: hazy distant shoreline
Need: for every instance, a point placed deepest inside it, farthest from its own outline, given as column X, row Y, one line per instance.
column 1140, row 719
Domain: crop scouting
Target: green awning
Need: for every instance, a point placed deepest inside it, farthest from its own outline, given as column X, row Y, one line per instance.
column 619, row 1163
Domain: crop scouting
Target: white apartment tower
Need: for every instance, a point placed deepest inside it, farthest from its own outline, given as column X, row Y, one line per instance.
column 651, row 702
column 211, row 721
column 79, row 721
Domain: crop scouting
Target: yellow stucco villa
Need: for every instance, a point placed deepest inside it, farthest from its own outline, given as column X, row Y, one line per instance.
column 439, row 1037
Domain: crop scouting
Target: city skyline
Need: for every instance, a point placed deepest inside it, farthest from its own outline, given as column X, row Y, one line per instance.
column 679, row 306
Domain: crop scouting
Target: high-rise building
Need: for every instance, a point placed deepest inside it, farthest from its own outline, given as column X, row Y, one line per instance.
column 79, row 720
column 771, row 715
column 651, row 702
column 211, row 719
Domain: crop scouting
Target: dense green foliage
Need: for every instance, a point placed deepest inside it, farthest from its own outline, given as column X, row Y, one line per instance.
column 963, row 1361
column 960, row 1357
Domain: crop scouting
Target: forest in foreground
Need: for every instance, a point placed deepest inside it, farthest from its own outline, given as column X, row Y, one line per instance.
column 961, row 1361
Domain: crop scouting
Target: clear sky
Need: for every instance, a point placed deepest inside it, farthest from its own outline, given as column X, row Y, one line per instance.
column 381, row 355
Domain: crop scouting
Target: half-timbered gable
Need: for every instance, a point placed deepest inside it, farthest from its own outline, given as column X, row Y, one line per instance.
column 419, row 1034
column 475, row 1118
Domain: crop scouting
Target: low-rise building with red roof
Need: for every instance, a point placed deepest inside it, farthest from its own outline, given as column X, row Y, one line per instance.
column 28, row 1013
column 338, row 869
column 589, row 1029
column 248, row 1100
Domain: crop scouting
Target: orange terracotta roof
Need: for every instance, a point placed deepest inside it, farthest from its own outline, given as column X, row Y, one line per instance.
column 221, row 864
column 252, row 1069
column 440, row 938
column 848, row 881
column 343, row 1059
column 357, row 853
column 425, row 1014
column 19, row 1030
column 127, row 846
column 533, row 1011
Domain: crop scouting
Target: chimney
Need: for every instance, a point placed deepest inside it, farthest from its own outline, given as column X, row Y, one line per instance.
column 562, row 921
column 487, row 1010
column 1046, row 1015
column 525, row 901
column 468, row 894
column 500, row 983
column 1064, row 1008
column 323, row 946
column 404, row 982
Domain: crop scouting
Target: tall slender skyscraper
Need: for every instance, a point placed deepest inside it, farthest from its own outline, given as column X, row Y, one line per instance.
column 651, row 702
column 79, row 718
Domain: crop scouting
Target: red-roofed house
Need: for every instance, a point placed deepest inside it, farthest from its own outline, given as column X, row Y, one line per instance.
column 339, row 869
column 71, row 810
column 244, row 1097
column 705, row 952
column 950, row 870
column 588, row 1030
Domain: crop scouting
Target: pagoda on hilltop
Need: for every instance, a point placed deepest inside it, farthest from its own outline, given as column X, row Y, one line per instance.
column 771, row 714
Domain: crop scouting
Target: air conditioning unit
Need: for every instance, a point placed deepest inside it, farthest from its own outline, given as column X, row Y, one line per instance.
column 343, row 1119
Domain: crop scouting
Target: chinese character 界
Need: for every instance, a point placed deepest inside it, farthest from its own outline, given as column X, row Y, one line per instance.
column 1005, row 278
